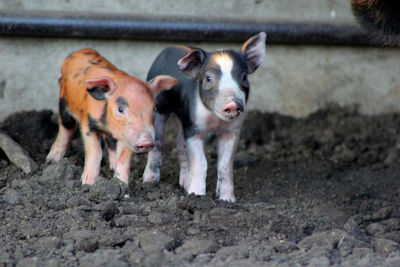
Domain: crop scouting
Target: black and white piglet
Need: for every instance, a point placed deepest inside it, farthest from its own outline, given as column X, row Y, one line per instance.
column 211, row 96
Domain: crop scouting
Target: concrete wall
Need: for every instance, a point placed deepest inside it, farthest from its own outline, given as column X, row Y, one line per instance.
column 293, row 80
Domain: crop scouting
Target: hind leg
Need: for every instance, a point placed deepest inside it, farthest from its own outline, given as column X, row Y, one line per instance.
column 66, row 129
column 154, row 158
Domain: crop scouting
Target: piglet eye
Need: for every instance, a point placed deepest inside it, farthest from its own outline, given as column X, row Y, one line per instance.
column 121, row 110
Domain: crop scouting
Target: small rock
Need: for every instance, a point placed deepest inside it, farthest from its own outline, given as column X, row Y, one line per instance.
column 85, row 240
column 62, row 170
column 103, row 190
column 52, row 263
column 346, row 245
column 109, row 210
column 193, row 231
column 107, row 257
column 352, row 224
column 392, row 262
column 376, row 229
column 154, row 242
column 5, row 258
column 12, row 197
column 383, row 213
column 126, row 220
column 385, row 246
column 17, row 155
column 113, row 239
column 198, row 246
column 393, row 155
column 50, row 243
column 29, row 262
column 343, row 154
column 232, row 253
column 160, row 218
column 326, row 239
column 222, row 212
column 153, row 195
column 319, row 262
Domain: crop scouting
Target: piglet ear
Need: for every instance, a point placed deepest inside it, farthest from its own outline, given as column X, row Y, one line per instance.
column 161, row 82
column 254, row 51
column 191, row 62
column 98, row 87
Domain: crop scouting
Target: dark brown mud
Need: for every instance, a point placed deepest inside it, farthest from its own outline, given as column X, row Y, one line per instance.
column 318, row 191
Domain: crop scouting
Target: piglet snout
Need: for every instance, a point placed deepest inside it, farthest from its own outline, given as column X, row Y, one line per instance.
column 232, row 110
column 145, row 143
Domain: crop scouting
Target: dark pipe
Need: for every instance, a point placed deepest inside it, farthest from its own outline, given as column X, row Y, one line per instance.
column 101, row 26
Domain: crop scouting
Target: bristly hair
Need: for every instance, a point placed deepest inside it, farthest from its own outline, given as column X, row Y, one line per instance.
column 381, row 18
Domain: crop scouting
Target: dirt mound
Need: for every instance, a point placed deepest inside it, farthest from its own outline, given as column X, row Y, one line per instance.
column 318, row 191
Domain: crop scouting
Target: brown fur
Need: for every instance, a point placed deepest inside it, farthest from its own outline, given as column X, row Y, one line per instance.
column 380, row 17
column 134, row 90
column 105, row 100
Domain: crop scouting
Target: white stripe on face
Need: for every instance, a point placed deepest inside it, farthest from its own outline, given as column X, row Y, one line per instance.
column 227, row 85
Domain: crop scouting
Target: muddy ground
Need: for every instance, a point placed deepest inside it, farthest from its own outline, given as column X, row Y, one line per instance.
column 318, row 191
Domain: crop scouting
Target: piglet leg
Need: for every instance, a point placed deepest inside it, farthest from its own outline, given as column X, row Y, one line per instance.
column 154, row 158
column 184, row 174
column 111, row 145
column 60, row 146
column 123, row 165
column 93, row 156
column 227, row 143
column 197, row 165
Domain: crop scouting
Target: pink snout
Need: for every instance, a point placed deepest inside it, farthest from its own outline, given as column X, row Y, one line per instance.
column 232, row 110
column 145, row 143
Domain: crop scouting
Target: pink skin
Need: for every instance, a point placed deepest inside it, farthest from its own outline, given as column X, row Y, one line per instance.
column 231, row 110
column 119, row 159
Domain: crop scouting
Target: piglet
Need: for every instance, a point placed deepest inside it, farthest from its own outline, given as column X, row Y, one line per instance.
column 210, row 97
column 107, row 102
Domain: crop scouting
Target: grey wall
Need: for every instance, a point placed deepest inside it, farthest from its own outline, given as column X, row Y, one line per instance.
column 294, row 80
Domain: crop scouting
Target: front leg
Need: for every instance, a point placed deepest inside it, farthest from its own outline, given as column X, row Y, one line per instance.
column 93, row 156
column 227, row 143
column 197, row 165
column 123, row 164
column 184, row 174
column 154, row 157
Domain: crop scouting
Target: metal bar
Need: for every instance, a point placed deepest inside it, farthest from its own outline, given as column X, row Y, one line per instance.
column 104, row 26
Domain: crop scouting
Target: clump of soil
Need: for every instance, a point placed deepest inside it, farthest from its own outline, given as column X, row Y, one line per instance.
column 318, row 191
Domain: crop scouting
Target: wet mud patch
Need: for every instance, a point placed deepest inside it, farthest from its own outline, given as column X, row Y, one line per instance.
column 318, row 191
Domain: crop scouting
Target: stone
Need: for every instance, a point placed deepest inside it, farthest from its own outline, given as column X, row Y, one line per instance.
column 17, row 155
column 109, row 210
column 326, row 239
column 102, row 258
column 319, row 262
column 159, row 218
column 29, row 262
column 198, row 246
column 105, row 190
column 376, row 229
column 385, row 246
column 154, row 242
column 12, row 197
column 62, row 170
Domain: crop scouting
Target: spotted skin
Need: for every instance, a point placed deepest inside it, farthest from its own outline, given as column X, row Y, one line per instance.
column 107, row 102
column 210, row 97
